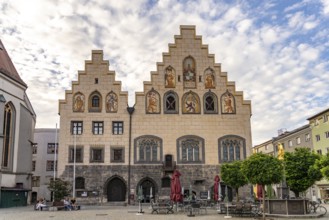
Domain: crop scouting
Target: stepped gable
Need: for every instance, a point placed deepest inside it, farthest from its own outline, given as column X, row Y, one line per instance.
column 7, row 67
column 208, row 75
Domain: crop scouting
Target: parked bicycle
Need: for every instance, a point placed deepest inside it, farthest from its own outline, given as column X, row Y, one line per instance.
column 315, row 207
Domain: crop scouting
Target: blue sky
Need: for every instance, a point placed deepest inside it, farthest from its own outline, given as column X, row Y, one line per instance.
column 277, row 52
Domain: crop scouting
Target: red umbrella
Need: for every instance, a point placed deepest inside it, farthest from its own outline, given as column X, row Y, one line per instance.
column 259, row 192
column 216, row 184
column 176, row 190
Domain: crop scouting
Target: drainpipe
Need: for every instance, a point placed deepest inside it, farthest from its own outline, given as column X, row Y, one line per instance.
column 130, row 111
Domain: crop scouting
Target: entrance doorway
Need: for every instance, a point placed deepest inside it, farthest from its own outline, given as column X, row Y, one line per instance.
column 116, row 190
column 147, row 184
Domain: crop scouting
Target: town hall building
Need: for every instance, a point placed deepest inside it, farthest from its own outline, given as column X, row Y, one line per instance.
column 188, row 117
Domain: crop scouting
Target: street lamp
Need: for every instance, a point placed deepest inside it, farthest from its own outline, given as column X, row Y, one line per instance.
column 74, row 157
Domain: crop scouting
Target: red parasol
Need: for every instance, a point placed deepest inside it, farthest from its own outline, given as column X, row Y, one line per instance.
column 216, row 186
column 259, row 192
column 176, row 190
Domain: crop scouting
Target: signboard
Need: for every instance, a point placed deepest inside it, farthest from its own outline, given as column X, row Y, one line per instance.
column 204, row 195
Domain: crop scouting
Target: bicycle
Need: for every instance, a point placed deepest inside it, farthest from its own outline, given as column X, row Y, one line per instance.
column 315, row 207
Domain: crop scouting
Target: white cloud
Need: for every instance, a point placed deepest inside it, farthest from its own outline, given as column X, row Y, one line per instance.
column 277, row 65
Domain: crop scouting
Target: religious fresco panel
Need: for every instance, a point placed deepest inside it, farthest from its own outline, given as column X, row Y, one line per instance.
column 228, row 103
column 170, row 77
column 191, row 103
column 111, row 102
column 78, row 102
column 152, row 102
column 209, row 78
column 189, row 73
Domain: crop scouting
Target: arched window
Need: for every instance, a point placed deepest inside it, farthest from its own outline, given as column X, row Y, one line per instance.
column 230, row 148
column 95, row 102
column 148, row 149
column 210, row 103
column 190, row 149
column 8, row 136
column 170, row 102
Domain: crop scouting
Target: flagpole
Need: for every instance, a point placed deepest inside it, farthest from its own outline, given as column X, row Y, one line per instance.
column 74, row 158
column 55, row 160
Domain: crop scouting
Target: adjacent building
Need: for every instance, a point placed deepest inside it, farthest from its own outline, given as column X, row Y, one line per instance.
column 17, row 122
column 320, row 137
column 189, row 117
column 44, row 162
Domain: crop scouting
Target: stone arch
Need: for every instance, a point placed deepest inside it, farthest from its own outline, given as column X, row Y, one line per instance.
column 95, row 102
column 189, row 73
column 116, row 189
column 170, row 102
column 8, row 136
column 231, row 147
column 210, row 103
column 147, row 183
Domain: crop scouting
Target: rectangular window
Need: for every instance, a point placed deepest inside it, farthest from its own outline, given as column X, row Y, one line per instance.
column 98, row 127
column 76, row 127
column 317, row 137
column 319, row 152
column 298, row 140
column 35, row 181
column 96, row 155
column 327, row 134
column 290, row 143
column 33, row 165
column 52, row 147
column 307, row 137
column 325, row 118
column 50, row 165
column 78, row 154
column 117, row 154
column 117, row 127
column 327, row 150
column 34, row 148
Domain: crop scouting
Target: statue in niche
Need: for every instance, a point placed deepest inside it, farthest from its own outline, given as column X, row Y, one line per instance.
column 189, row 72
column 112, row 102
column 228, row 103
column 209, row 79
column 153, row 102
column 170, row 77
column 191, row 103
column 78, row 104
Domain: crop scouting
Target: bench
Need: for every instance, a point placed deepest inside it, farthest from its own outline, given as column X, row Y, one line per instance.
column 159, row 206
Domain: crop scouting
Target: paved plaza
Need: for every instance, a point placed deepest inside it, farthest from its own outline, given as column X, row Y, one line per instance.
column 115, row 213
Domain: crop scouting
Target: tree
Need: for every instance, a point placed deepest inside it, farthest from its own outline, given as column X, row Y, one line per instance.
column 233, row 176
column 300, row 171
column 60, row 188
column 263, row 170
column 323, row 165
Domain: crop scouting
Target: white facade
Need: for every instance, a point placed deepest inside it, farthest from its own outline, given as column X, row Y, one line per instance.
column 46, row 140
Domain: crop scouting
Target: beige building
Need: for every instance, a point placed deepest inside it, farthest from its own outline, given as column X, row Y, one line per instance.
column 265, row 148
column 189, row 117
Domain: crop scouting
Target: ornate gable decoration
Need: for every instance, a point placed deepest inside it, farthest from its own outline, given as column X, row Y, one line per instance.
column 228, row 103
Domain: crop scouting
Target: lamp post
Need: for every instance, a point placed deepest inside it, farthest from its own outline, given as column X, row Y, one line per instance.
column 130, row 111
column 74, row 158
column 55, row 160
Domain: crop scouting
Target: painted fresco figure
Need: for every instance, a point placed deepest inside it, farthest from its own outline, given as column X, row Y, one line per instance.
column 209, row 79
column 152, row 102
column 112, row 102
column 228, row 103
column 170, row 77
column 78, row 103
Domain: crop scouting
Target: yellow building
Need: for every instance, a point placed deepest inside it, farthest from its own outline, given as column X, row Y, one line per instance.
column 188, row 117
